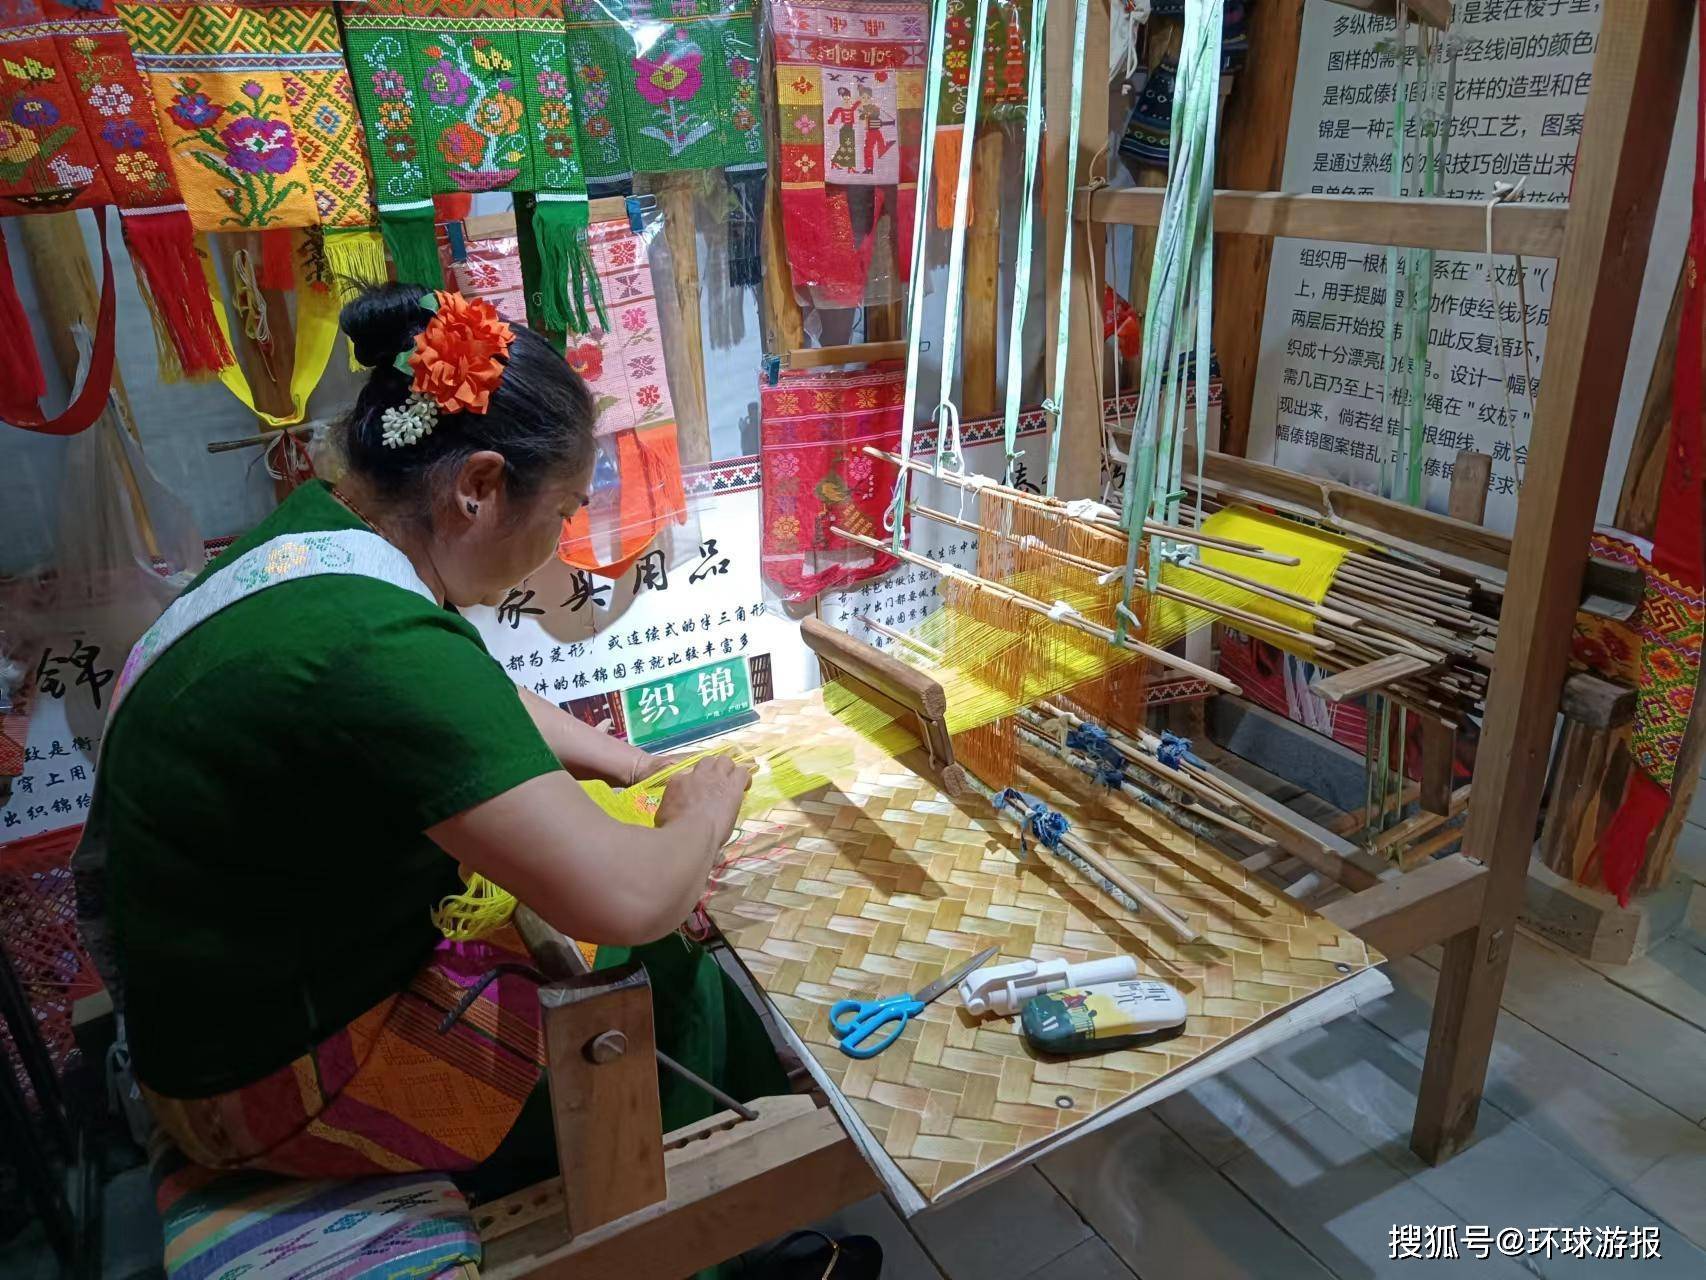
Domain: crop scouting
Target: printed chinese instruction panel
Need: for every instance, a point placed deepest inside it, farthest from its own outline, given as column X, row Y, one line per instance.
column 1522, row 78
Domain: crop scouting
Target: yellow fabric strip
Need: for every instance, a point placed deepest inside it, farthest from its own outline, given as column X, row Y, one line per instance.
column 316, row 330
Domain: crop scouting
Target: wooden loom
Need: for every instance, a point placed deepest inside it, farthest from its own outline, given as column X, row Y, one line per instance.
column 636, row 1202
column 1469, row 903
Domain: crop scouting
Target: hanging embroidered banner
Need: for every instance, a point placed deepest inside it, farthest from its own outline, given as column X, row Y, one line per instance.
column 256, row 108
column 1003, row 95
column 816, row 475
column 664, row 84
column 77, row 132
column 849, row 97
column 467, row 96
column 637, row 479
column 1672, row 620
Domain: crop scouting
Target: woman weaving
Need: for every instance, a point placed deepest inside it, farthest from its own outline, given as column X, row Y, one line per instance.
column 311, row 740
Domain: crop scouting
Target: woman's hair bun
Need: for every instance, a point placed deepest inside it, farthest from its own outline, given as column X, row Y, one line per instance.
column 382, row 322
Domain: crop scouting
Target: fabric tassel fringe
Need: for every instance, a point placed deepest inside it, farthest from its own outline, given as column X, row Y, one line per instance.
column 278, row 259
column 746, row 225
column 413, row 244
column 1623, row 847
column 354, row 257
column 558, row 272
column 22, row 382
column 169, row 275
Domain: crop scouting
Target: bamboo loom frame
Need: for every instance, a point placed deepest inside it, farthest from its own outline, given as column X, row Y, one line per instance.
column 636, row 1202
column 1468, row 901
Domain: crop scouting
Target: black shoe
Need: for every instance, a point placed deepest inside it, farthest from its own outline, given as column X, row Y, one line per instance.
column 811, row 1255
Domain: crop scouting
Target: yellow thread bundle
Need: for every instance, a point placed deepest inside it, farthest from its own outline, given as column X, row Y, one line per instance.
column 483, row 907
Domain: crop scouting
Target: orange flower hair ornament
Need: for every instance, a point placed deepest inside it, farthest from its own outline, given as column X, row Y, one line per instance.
column 456, row 362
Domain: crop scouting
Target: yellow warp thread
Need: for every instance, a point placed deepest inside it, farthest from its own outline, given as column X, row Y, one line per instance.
column 1319, row 556
column 778, row 775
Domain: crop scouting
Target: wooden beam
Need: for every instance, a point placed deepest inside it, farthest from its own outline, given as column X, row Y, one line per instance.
column 1534, row 230
column 1630, row 117
column 1643, row 472
column 1252, row 158
column 686, row 366
column 487, row 226
column 602, row 1071
column 1434, row 13
column 728, row 1191
column 979, row 379
column 1402, row 915
column 846, row 353
column 1081, row 427
column 1353, row 682
column 1470, row 550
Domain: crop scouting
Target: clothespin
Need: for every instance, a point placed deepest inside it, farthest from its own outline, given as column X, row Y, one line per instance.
column 640, row 208
column 772, row 370
column 457, row 240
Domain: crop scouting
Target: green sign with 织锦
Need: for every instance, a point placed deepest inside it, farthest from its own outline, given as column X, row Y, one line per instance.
column 689, row 705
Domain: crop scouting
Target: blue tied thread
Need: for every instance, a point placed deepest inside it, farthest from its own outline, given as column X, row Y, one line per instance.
column 1040, row 821
column 1093, row 741
column 1175, row 752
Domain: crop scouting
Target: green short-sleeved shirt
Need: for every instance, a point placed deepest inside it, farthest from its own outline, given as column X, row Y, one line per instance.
column 266, row 787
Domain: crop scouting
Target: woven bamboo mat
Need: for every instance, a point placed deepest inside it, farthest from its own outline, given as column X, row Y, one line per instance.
column 875, row 885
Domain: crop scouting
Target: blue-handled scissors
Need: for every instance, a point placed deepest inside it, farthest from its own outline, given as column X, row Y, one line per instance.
column 857, row 1022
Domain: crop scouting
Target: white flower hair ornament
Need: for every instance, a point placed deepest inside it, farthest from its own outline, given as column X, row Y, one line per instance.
column 457, row 361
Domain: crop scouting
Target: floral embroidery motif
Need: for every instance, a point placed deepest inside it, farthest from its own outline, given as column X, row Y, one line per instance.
column 253, row 150
column 257, row 111
column 680, row 94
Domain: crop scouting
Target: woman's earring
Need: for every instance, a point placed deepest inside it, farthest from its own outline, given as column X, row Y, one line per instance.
column 473, row 507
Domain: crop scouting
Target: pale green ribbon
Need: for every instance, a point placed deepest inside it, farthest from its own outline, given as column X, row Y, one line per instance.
column 894, row 518
column 947, row 411
column 1027, row 220
column 1056, row 404
column 1181, row 298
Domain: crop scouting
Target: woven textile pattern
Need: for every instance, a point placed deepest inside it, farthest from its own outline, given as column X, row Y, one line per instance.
column 815, row 475
column 878, row 884
column 1672, row 619
column 258, row 112
column 76, row 128
column 226, row 1225
column 849, row 96
column 665, row 84
column 39, row 905
column 471, row 95
column 390, row 1093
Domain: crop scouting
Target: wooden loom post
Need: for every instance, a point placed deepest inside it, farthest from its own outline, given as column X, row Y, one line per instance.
column 1467, row 500
column 1631, row 112
column 604, row 1095
column 686, row 367
column 978, row 375
column 1081, row 427
column 1253, row 151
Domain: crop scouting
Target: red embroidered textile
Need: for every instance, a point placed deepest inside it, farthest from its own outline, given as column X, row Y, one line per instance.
column 78, row 131
column 1673, row 599
column 815, row 475
column 849, row 98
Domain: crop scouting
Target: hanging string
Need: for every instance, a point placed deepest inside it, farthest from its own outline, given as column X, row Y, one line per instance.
column 1055, row 405
column 1504, row 192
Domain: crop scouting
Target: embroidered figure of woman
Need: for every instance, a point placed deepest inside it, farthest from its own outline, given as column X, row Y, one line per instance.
column 844, row 115
column 876, row 146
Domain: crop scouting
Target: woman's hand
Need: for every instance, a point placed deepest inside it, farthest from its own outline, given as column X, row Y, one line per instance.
column 710, row 791
column 647, row 766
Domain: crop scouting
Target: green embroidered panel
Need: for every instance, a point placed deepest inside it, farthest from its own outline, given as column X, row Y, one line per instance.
column 664, row 84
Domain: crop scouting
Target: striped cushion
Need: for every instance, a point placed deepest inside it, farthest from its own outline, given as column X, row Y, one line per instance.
column 219, row 1226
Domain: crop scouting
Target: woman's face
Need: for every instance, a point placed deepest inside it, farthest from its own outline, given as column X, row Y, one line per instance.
column 503, row 540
